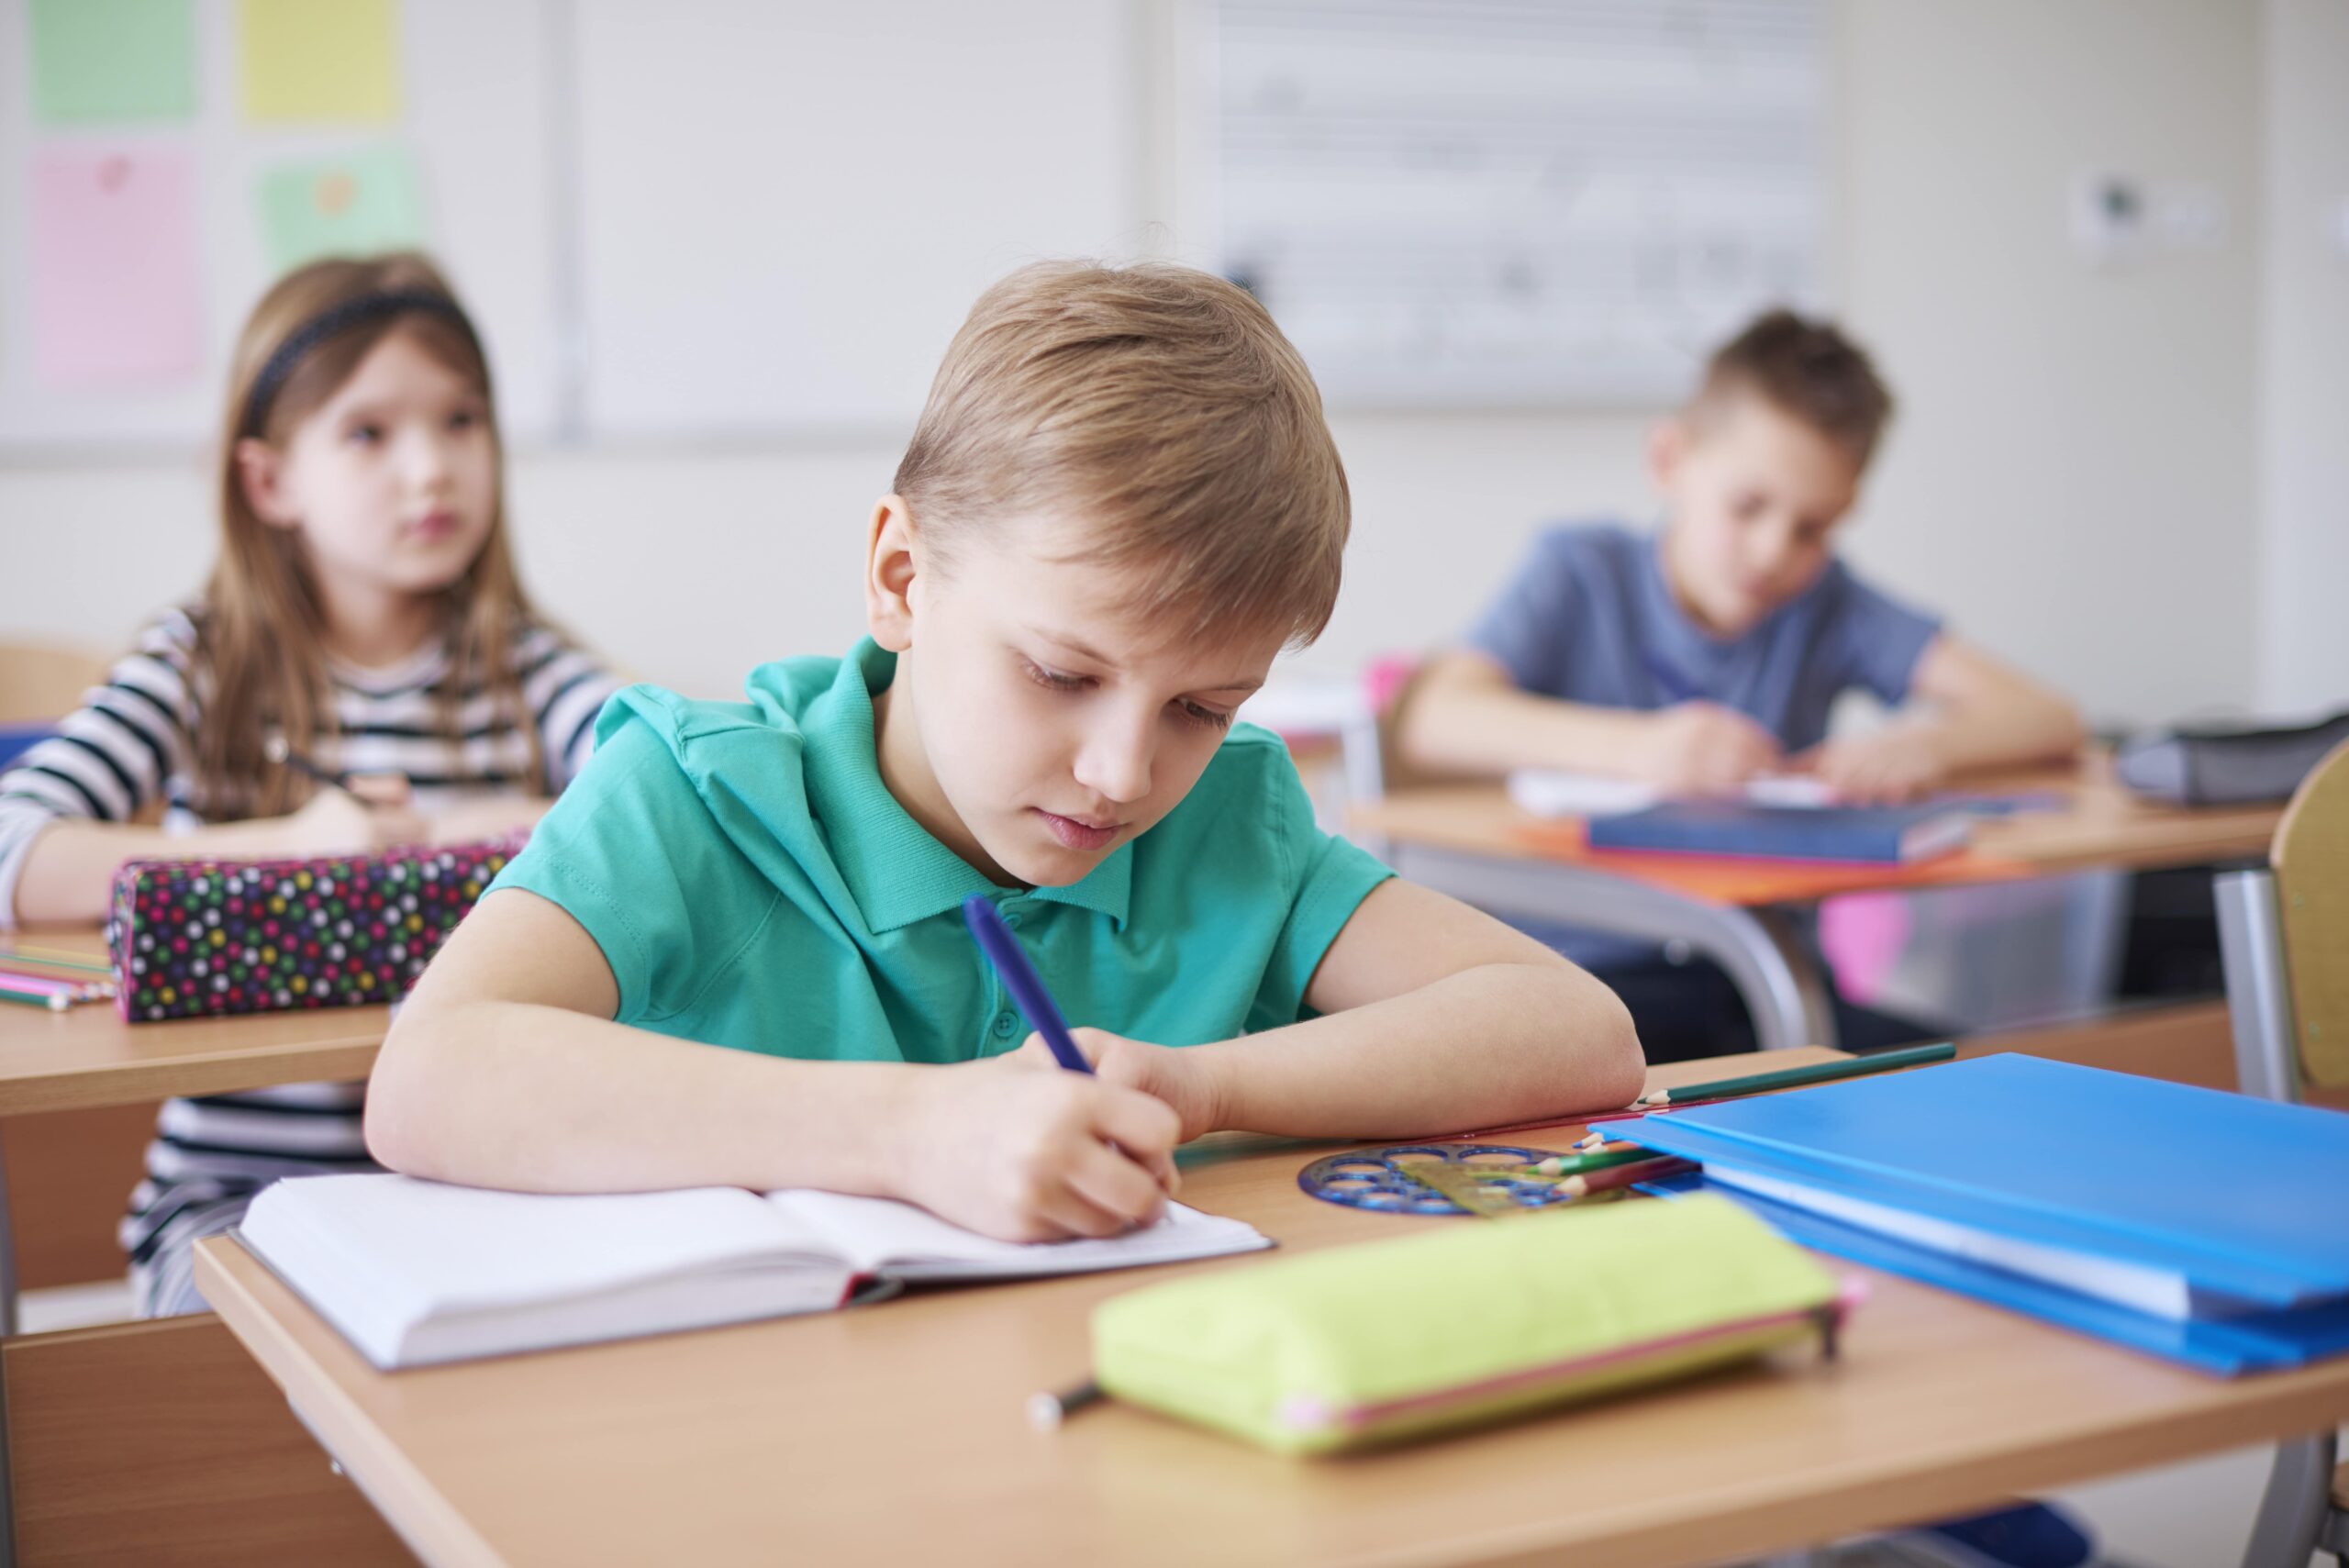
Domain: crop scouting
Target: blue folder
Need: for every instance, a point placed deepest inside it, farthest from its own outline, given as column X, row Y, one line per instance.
column 2241, row 1198
column 1867, row 835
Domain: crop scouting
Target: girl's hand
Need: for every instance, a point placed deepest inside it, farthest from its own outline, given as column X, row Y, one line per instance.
column 1184, row 1079
column 372, row 815
column 1030, row 1156
column 1886, row 768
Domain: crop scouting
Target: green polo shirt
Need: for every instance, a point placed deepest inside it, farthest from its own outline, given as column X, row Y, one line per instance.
column 753, row 884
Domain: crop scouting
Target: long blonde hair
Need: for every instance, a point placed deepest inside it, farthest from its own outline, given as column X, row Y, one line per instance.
column 260, row 636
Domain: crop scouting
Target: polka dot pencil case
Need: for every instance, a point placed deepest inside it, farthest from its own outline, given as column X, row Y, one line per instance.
column 195, row 938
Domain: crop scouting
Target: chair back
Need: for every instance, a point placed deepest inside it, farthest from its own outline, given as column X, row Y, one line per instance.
column 2310, row 857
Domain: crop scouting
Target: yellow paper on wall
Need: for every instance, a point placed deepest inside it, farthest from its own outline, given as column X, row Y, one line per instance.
column 333, row 61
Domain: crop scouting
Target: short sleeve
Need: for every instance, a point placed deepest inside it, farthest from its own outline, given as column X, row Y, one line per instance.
column 1872, row 640
column 1526, row 628
column 1328, row 880
column 630, row 852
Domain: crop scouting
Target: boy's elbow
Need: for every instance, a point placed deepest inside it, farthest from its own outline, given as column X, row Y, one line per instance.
column 1618, row 1069
column 398, row 1116
column 1425, row 721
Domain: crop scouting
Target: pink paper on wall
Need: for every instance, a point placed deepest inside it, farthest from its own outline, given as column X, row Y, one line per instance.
column 117, row 294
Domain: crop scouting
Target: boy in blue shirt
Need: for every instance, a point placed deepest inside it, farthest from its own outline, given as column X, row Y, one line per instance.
column 1710, row 652
column 733, row 953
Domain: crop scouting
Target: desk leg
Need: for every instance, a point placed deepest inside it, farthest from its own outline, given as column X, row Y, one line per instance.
column 1773, row 973
column 2300, row 1491
column 8, row 1330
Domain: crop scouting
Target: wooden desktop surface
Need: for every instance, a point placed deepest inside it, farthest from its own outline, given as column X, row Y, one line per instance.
column 894, row 1433
column 2100, row 828
column 89, row 1056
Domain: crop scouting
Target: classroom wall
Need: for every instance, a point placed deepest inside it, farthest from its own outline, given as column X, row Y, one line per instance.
column 2073, row 480
column 2304, row 387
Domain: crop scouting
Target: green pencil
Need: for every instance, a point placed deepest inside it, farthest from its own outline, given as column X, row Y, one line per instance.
column 1575, row 1164
column 1795, row 1077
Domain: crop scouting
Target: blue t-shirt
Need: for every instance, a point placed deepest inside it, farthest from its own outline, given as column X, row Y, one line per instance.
column 1590, row 618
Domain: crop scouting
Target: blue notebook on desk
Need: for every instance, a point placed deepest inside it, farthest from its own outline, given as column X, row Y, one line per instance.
column 1889, row 835
column 2210, row 1225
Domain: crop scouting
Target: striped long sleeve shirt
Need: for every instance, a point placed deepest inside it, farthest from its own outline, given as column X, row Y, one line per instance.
column 131, row 744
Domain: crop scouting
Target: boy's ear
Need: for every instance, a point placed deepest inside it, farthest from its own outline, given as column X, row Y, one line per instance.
column 260, row 471
column 1667, row 444
column 890, row 568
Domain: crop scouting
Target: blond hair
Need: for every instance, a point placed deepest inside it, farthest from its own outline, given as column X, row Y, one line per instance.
column 1807, row 368
column 1162, row 408
column 261, row 637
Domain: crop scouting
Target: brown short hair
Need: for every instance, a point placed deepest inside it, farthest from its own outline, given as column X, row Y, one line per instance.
column 1162, row 404
column 1807, row 368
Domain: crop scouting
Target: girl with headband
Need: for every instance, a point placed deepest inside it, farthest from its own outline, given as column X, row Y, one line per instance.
column 364, row 624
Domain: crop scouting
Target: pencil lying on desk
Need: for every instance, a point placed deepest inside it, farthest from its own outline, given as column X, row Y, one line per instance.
column 1597, row 1160
column 1796, row 1077
column 1614, row 1176
column 53, row 958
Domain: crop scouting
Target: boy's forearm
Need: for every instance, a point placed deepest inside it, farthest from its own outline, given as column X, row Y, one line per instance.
column 1490, row 1046
column 1480, row 728
column 2044, row 729
column 534, row 1099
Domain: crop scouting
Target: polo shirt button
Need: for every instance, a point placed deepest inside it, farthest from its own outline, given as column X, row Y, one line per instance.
column 1011, row 919
column 1006, row 1025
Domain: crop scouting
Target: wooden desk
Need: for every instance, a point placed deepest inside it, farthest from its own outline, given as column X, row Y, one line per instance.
column 88, row 1056
column 894, row 1433
column 1470, row 841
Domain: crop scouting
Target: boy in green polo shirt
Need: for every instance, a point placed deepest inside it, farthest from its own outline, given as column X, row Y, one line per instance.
column 733, row 953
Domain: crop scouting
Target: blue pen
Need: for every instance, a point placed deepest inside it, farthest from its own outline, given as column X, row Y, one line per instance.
column 1020, row 978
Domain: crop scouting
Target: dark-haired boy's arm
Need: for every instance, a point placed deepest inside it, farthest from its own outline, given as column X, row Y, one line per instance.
column 1966, row 710
column 1435, row 1019
column 1465, row 715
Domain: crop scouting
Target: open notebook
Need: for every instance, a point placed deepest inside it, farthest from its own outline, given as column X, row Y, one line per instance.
column 414, row 1273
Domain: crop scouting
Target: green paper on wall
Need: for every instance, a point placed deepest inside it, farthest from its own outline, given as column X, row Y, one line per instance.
column 352, row 206
column 102, row 61
column 319, row 59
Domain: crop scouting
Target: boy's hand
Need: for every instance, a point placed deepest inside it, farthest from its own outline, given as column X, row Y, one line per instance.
column 1184, row 1079
column 1702, row 748
column 1029, row 1156
column 1883, row 769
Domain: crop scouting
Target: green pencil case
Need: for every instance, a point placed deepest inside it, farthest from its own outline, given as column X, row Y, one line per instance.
column 1471, row 1324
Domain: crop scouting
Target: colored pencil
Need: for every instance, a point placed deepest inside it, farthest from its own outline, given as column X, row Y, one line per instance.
column 1626, row 1175
column 54, row 1003
column 1581, row 1164
column 1796, row 1077
column 51, row 958
column 81, row 984
column 48, row 985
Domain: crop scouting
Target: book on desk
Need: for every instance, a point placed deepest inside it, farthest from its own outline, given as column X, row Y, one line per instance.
column 2193, row 1224
column 1886, row 835
column 414, row 1273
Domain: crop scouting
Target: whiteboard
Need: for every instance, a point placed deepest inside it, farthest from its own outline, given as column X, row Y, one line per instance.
column 1495, row 202
column 786, row 210
column 475, row 119
column 673, row 219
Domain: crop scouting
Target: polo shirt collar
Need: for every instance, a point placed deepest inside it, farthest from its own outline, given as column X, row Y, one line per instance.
column 897, row 870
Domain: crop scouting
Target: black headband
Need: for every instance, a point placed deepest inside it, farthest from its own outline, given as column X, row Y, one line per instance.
column 331, row 322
